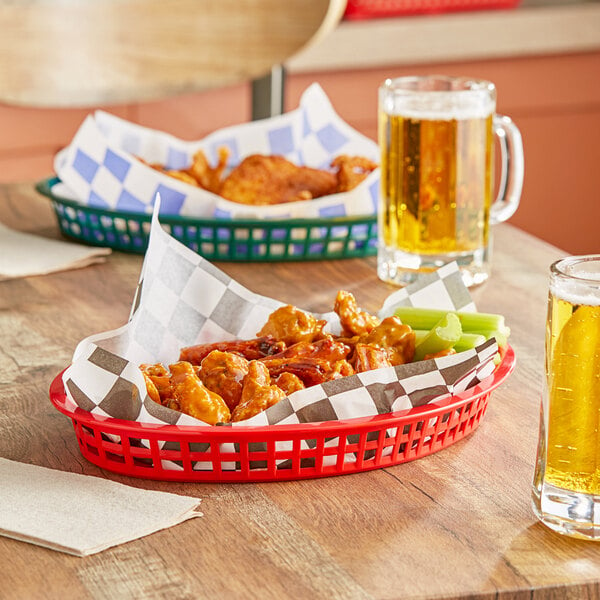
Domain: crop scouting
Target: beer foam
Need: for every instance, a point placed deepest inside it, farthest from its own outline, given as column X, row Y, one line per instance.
column 571, row 291
column 442, row 106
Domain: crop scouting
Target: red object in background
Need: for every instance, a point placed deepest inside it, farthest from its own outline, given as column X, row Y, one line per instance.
column 375, row 9
column 240, row 454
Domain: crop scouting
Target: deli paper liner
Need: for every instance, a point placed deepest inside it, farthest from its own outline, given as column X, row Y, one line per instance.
column 182, row 299
column 99, row 167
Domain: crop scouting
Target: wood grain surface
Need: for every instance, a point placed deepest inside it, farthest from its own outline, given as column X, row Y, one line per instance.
column 456, row 524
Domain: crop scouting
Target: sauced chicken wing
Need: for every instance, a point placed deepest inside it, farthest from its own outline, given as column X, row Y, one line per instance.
column 249, row 349
column 310, row 370
column 353, row 320
column 398, row 340
column 152, row 389
column 259, row 180
column 327, row 348
column 292, row 325
column 368, row 356
column 258, row 393
column 289, row 383
column 158, row 383
column 194, row 398
column 222, row 373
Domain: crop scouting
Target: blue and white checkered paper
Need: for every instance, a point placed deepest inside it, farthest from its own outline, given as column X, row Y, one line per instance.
column 100, row 168
column 183, row 299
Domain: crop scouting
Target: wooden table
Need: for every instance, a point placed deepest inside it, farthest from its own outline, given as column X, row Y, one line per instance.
column 457, row 524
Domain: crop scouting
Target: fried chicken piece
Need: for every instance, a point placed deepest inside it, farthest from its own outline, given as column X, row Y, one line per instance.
column 258, row 393
column 289, row 383
column 351, row 170
column 182, row 176
column 396, row 338
column 158, row 383
column 311, row 371
column 292, row 325
column 194, row 398
column 260, row 180
column 369, row 356
column 327, row 348
column 222, row 373
column 207, row 177
column 340, row 368
column 251, row 349
column 152, row 389
column 353, row 320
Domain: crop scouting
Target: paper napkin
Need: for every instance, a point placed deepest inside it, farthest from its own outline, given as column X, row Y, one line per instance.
column 25, row 254
column 80, row 514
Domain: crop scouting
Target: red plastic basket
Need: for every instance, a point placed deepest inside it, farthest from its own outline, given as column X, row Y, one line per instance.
column 374, row 9
column 242, row 454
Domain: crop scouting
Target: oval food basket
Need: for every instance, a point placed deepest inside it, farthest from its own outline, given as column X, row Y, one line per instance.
column 278, row 452
column 218, row 239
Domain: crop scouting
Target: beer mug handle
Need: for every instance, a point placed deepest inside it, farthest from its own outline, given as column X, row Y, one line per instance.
column 513, row 169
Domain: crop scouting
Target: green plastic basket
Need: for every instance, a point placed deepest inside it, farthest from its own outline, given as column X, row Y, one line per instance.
column 218, row 239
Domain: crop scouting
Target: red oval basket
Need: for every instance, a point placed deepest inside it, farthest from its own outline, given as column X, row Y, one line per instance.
column 279, row 452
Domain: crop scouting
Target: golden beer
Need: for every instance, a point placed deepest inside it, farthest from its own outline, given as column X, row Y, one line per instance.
column 566, row 483
column 436, row 183
column 437, row 137
column 573, row 396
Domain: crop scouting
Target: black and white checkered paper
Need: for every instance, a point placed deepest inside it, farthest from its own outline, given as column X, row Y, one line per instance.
column 98, row 168
column 183, row 299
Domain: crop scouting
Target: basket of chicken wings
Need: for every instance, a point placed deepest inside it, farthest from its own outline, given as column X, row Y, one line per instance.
column 299, row 186
column 209, row 381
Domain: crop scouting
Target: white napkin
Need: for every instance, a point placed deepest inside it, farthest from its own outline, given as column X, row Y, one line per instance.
column 80, row 514
column 25, row 254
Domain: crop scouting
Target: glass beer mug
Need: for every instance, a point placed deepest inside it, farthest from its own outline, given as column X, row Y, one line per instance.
column 436, row 136
column 566, row 484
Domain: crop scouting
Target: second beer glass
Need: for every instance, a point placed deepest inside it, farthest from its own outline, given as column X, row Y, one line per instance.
column 436, row 135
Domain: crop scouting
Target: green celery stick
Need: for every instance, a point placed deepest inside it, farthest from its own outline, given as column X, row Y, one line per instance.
column 442, row 336
column 465, row 342
column 468, row 341
column 471, row 322
column 500, row 335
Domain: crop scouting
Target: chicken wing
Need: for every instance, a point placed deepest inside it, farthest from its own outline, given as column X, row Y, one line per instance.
column 289, row 383
column 158, row 383
column 292, row 325
column 369, row 356
column 310, row 370
column 260, row 180
column 249, row 349
column 353, row 320
column 222, row 373
column 351, row 171
column 258, row 393
column 327, row 348
column 397, row 339
column 207, row 177
column 194, row 398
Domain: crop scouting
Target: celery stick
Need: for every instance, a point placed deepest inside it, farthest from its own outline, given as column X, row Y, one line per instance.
column 442, row 336
column 465, row 342
column 468, row 341
column 501, row 336
column 471, row 322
